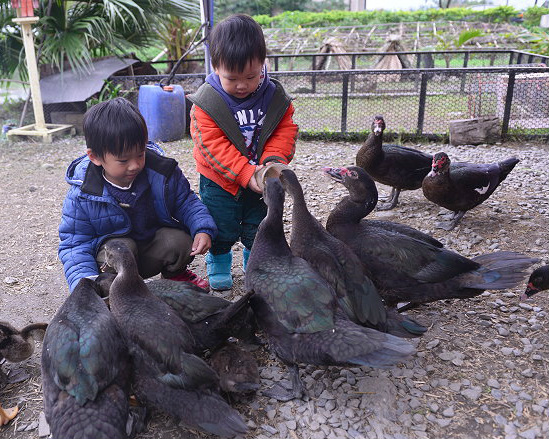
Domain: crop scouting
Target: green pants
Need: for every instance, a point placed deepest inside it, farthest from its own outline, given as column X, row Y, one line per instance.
column 167, row 253
column 237, row 216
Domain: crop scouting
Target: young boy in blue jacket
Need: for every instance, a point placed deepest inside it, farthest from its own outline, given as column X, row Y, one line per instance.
column 125, row 188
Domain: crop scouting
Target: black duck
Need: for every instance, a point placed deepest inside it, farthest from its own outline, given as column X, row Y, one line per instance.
column 212, row 320
column 405, row 268
column 85, row 370
column 462, row 186
column 397, row 166
column 168, row 376
column 538, row 281
column 16, row 346
column 237, row 369
column 297, row 310
column 340, row 267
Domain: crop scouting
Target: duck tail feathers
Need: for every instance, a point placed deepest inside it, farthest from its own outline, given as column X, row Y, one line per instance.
column 388, row 351
column 204, row 410
column 506, row 166
column 499, row 270
column 215, row 416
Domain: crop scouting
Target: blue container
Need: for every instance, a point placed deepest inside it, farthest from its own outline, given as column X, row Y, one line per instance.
column 164, row 111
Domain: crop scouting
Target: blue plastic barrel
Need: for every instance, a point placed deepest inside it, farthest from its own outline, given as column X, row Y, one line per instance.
column 164, row 111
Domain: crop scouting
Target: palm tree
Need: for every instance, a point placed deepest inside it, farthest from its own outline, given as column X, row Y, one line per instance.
column 74, row 32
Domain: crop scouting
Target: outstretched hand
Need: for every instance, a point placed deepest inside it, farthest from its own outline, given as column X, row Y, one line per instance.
column 252, row 184
column 201, row 244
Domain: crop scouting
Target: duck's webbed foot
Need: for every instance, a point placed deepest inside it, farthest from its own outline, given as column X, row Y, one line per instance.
column 450, row 225
column 391, row 202
column 282, row 394
column 6, row 415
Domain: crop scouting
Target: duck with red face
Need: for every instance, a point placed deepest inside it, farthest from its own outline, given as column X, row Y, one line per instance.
column 461, row 186
column 539, row 281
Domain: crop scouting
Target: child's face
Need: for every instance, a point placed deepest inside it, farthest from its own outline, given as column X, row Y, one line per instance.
column 121, row 170
column 240, row 84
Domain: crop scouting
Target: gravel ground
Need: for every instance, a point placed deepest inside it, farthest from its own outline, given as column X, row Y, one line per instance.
column 480, row 371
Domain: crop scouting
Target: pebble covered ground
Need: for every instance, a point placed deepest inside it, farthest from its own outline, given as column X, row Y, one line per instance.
column 480, row 371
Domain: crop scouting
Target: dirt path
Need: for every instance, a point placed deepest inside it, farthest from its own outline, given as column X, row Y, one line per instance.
column 480, row 371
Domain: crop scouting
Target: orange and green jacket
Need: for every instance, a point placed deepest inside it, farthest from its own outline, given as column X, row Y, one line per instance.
column 219, row 147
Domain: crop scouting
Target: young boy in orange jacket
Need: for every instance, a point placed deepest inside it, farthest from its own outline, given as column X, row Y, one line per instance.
column 241, row 120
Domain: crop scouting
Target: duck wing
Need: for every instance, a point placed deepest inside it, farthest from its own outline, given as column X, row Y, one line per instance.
column 413, row 163
column 395, row 260
column 355, row 292
column 476, row 180
column 160, row 338
column 191, row 303
column 403, row 229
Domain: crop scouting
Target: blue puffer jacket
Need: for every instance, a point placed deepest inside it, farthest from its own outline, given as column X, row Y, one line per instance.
column 91, row 215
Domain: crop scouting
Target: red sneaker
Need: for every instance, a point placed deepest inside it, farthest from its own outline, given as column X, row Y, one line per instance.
column 193, row 278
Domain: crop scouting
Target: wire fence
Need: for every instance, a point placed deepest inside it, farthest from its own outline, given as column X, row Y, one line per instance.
column 369, row 60
column 416, row 102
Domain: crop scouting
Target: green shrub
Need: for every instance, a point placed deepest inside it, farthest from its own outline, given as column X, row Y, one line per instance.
column 350, row 18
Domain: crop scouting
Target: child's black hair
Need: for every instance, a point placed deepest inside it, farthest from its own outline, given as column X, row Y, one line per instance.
column 235, row 42
column 114, row 127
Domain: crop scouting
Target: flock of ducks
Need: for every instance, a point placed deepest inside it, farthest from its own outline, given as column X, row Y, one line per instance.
column 120, row 346
column 455, row 186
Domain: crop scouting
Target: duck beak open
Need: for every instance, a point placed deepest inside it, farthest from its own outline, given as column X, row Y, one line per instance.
column 530, row 291
column 335, row 174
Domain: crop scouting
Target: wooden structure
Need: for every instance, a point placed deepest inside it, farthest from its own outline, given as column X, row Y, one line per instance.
column 485, row 129
column 370, row 37
column 25, row 18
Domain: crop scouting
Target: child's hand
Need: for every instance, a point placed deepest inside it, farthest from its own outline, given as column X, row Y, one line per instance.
column 252, row 184
column 201, row 244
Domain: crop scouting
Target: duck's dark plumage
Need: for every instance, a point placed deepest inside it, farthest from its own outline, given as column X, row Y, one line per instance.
column 397, row 166
column 462, row 186
column 538, row 281
column 407, row 269
column 237, row 369
column 297, row 310
column 85, row 369
column 331, row 258
column 168, row 376
column 211, row 320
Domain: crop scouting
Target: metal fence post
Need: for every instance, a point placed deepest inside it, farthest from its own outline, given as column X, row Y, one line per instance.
column 519, row 58
column 422, row 100
column 353, row 67
column 313, row 77
column 465, row 62
column 465, row 59
column 344, row 102
column 276, row 63
column 508, row 102
column 511, row 57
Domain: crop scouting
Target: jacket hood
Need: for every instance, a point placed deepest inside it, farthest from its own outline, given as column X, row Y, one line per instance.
column 77, row 170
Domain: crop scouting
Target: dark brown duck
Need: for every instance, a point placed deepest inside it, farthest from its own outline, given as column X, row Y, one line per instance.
column 397, row 166
column 462, row 186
